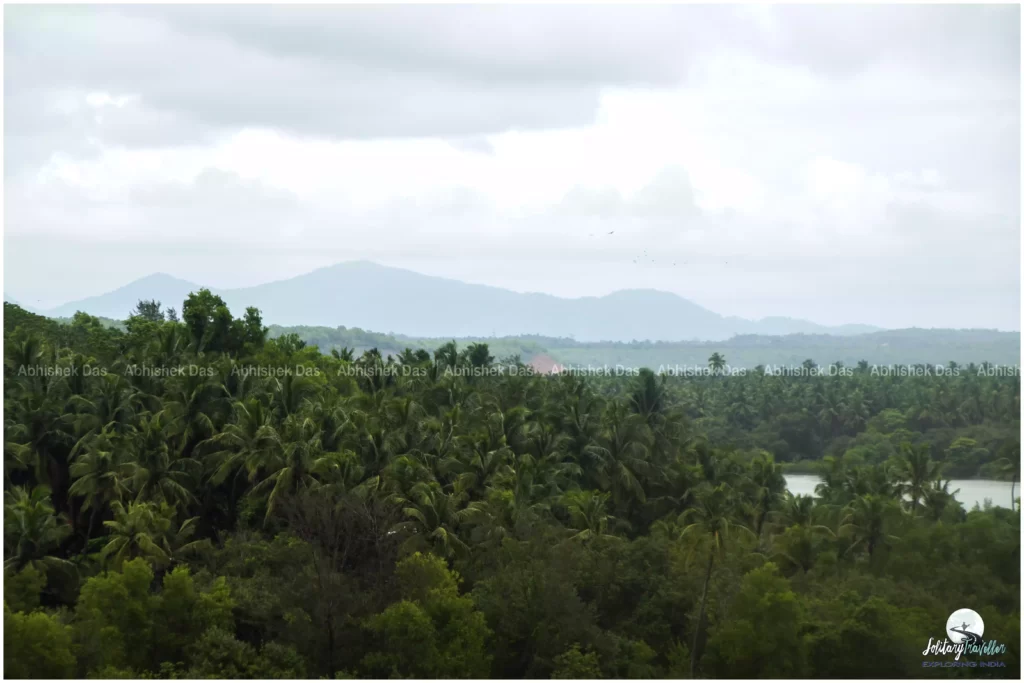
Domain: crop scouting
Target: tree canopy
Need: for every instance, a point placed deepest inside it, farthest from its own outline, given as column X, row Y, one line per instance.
column 193, row 499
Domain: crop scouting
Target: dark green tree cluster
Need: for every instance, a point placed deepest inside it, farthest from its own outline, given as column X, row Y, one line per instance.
column 968, row 422
column 189, row 499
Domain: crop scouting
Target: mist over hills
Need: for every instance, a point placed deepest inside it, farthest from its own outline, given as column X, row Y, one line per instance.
column 374, row 297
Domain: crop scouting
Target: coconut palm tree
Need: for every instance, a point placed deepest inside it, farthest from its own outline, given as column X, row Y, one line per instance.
column 290, row 393
column 191, row 404
column 340, row 474
column 137, row 530
column 588, row 515
column 800, row 545
column 795, row 510
column 147, row 530
column 478, row 468
column 866, row 519
column 937, row 498
column 343, row 354
column 100, row 473
column 768, row 488
column 282, row 472
column 831, row 412
column 32, row 532
column 648, row 398
column 856, row 411
column 622, row 457
column 243, row 445
column 155, row 474
column 111, row 408
column 529, row 486
column 711, row 521
column 581, row 413
column 1008, row 467
column 915, row 471
column 433, row 518
column 39, row 436
column 372, row 439
column 25, row 352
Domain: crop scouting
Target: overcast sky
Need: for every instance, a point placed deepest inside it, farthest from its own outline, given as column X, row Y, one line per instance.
column 844, row 164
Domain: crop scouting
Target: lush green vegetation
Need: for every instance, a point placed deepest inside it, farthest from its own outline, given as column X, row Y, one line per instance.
column 902, row 347
column 192, row 499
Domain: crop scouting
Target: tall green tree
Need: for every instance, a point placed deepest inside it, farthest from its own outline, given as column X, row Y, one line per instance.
column 712, row 521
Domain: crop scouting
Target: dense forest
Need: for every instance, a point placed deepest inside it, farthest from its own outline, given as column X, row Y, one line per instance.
column 187, row 497
column 902, row 347
column 909, row 346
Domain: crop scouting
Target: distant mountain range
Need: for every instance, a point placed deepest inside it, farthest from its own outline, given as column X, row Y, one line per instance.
column 374, row 297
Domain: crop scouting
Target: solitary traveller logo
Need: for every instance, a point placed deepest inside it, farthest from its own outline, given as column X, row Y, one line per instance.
column 965, row 625
column 964, row 631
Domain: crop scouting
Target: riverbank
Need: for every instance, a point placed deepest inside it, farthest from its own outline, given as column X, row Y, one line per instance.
column 968, row 492
column 801, row 467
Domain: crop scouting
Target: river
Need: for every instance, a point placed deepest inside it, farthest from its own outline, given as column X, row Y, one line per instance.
column 971, row 490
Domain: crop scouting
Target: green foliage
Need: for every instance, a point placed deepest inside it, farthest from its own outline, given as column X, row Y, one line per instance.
column 575, row 664
column 762, row 635
column 868, row 640
column 432, row 633
column 406, row 643
column 407, row 511
column 419, row 577
column 114, row 618
column 218, row 654
column 37, row 645
column 212, row 329
column 22, row 588
column 182, row 612
column 32, row 532
column 120, row 622
column 279, row 661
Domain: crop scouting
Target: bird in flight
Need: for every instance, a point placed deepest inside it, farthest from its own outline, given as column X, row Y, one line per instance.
column 612, row 232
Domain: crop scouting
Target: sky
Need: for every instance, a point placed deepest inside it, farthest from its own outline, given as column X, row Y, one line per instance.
column 842, row 164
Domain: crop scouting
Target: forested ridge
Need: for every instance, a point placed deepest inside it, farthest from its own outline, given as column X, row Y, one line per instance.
column 189, row 498
column 908, row 346
column 902, row 347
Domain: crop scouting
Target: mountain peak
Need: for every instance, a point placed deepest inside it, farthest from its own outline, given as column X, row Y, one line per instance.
column 371, row 296
column 170, row 291
column 160, row 277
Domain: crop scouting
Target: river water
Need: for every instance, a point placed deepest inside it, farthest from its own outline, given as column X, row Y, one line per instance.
column 971, row 490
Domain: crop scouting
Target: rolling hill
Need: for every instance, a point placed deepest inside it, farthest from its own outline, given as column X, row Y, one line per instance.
column 370, row 296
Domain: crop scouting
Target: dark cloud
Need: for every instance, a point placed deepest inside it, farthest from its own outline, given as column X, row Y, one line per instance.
column 216, row 207
column 452, row 71
column 881, row 91
column 669, row 195
column 477, row 144
column 845, row 39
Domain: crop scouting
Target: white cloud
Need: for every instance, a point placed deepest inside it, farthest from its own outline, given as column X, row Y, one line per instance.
column 780, row 153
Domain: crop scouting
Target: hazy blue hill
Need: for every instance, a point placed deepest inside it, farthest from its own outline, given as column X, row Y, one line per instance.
column 896, row 347
column 21, row 304
column 370, row 296
column 168, row 290
column 776, row 325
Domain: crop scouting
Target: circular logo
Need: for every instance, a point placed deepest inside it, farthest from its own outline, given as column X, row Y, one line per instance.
column 965, row 625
